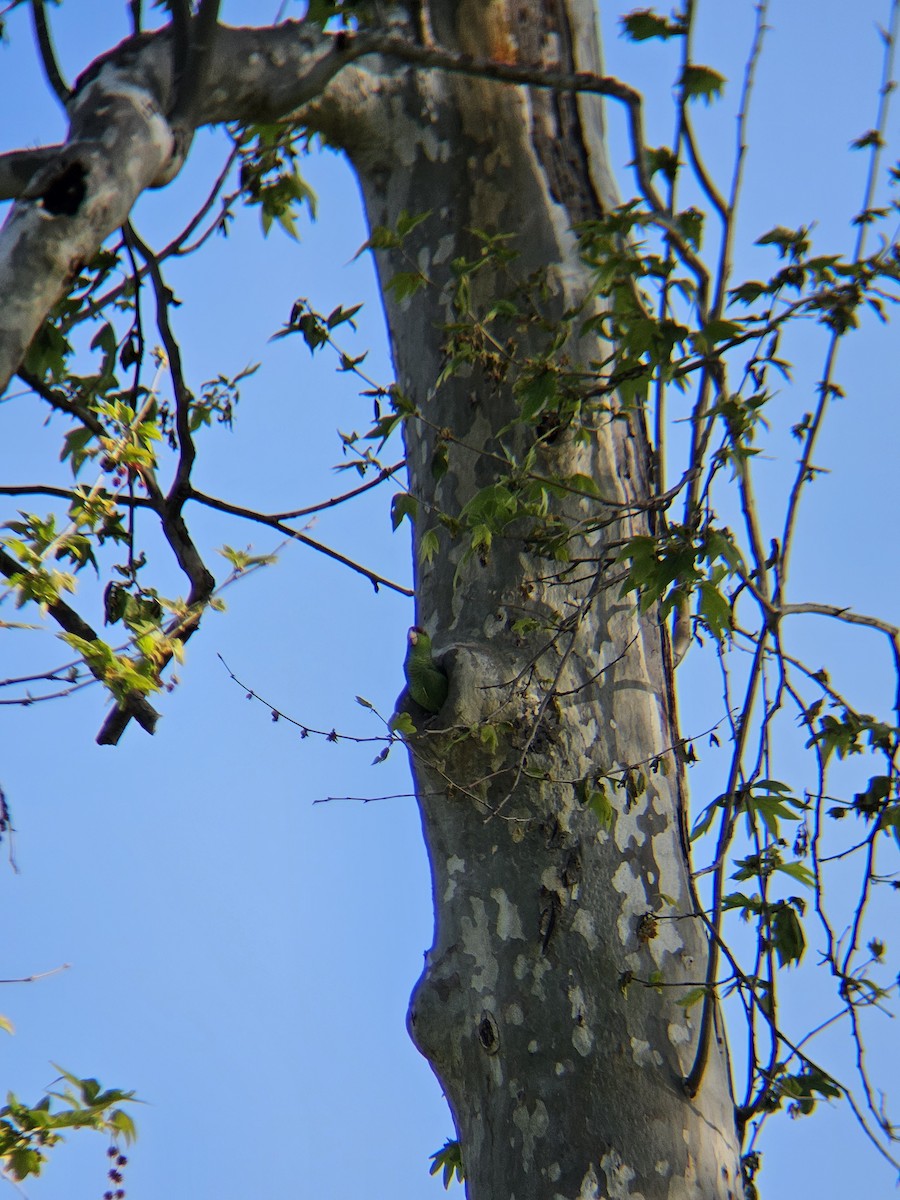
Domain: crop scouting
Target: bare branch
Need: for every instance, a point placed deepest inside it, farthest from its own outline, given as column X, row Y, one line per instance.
column 296, row 535
column 62, row 403
column 383, row 474
column 48, row 54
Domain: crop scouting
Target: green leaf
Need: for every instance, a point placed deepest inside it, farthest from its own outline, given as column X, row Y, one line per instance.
column 487, row 735
column 643, row 24
column 582, row 483
column 661, row 158
column 340, row 316
column 592, row 795
column 701, row 83
column 748, row 292
column 689, row 999
column 791, row 243
column 449, row 1160
column 787, row 934
column 75, row 445
column 705, row 819
column 123, row 1124
column 403, row 505
column 798, row 871
column 405, row 284
column 715, row 610
column 402, row 724
column 429, row 545
column 535, row 391
column 690, row 223
column 440, row 460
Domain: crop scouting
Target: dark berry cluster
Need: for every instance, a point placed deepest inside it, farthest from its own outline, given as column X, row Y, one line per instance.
column 117, row 1190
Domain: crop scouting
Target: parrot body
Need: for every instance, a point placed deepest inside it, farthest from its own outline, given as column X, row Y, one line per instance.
column 425, row 679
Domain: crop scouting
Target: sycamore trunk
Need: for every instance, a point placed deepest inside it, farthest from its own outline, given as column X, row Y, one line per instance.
column 563, row 1069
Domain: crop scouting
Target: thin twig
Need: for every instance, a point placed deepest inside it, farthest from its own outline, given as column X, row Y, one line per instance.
column 48, row 54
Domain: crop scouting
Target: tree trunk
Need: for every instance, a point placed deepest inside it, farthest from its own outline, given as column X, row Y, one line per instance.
column 549, row 1005
column 564, row 1078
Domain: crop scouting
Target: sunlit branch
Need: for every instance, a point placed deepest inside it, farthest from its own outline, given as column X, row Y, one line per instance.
column 296, row 535
column 383, row 474
column 69, row 621
column 842, row 614
column 723, row 272
column 39, row 975
column 703, row 177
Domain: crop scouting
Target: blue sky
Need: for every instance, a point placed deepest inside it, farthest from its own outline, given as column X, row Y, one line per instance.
column 240, row 955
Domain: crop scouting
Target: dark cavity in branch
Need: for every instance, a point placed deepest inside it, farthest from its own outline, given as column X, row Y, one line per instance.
column 63, row 195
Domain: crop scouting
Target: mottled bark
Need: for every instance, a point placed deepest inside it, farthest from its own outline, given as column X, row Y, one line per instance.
column 564, row 1078
column 563, row 1082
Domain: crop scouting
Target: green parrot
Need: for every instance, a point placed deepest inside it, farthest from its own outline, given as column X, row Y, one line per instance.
column 425, row 679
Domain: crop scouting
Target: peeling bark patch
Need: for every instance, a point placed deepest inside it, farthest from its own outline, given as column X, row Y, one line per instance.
column 477, row 944
column 537, row 968
column 509, row 924
column 63, row 196
column 626, row 828
column 583, row 924
column 590, row 1185
column 532, row 1127
column 644, row 1054
column 455, row 866
column 634, row 903
column 679, row 1035
column 582, row 1037
column 618, row 1177
column 582, row 1040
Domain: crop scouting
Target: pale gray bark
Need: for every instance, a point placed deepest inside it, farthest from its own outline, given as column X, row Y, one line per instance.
column 563, row 1082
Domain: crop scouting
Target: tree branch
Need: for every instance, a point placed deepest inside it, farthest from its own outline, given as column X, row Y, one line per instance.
column 67, row 618
column 18, row 166
column 248, row 514
column 48, row 54
column 62, row 403
column 192, row 83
